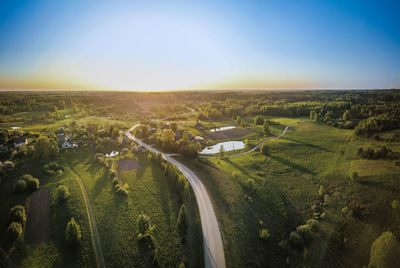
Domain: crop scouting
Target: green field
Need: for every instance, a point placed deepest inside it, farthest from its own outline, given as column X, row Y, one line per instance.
column 311, row 154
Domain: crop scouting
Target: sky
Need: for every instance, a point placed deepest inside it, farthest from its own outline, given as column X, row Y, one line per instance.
column 195, row 45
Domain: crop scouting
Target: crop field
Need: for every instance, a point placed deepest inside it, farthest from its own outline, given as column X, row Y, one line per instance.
column 228, row 134
column 37, row 225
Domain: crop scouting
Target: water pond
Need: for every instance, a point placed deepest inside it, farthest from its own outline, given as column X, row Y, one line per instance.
column 228, row 146
column 221, row 128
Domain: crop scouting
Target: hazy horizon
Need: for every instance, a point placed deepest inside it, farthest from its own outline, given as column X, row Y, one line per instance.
column 307, row 45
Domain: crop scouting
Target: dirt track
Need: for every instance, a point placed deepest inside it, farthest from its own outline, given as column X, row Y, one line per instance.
column 37, row 225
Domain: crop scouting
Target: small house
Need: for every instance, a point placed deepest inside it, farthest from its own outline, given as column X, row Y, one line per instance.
column 20, row 141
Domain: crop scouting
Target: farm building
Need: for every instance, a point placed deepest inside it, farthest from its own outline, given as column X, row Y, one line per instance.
column 20, row 141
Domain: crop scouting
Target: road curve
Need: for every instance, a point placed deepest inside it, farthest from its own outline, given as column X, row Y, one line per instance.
column 213, row 248
column 255, row 147
column 98, row 252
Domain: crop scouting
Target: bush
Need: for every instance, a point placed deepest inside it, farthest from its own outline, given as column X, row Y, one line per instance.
column 15, row 231
column 122, row 189
column 296, row 240
column 144, row 225
column 264, row 234
column 19, row 186
column 305, row 232
column 112, row 174
column 62, row 193
column 314, row 225
column 385, row 251
column 181, row 221
column 32, row 184
column 73, row 233
column 354, row 176
column 17, row 214
column 265, row 149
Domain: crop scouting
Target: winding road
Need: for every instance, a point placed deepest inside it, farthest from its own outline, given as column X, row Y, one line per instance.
column 213, row 248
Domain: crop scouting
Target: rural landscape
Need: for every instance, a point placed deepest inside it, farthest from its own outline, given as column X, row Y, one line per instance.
column 217, row 134
column 311, row 181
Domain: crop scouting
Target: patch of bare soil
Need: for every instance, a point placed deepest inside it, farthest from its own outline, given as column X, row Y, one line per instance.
column 128, row 164
column 37, row 224
column 228, row 134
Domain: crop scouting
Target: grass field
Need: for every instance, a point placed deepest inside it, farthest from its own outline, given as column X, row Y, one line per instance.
column 116, row 216
column 286, row 186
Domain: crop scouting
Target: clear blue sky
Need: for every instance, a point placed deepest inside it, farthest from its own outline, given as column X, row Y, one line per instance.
column 155, row 45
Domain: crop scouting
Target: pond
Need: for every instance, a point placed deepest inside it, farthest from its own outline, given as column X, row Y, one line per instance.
column 228, row 146
column 221, row 128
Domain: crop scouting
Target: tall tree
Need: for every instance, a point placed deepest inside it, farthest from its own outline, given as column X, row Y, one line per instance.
column 42, row 147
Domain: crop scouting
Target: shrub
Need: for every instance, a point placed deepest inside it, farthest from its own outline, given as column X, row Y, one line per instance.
column 181, row 221
column 116, row 181
column 264, row 234
column 73, row 233
column 296, row 240
column 314, row 225
column 354, row 176
column 122, row 189
column 15, row 231
column 385, row 251
column 62, row 193
column 305, row 232
column 19, row 186
column 32, row 184
column 125, row 151
column 144, row 225
column 112, row 174
column 17, row 214
column 265, row 149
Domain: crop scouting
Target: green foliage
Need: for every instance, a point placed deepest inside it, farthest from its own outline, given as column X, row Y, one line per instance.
column 353, row 175
column 42, row 147
column 258, row 120
column 122, row 189
column 15, row 231
column 181, row 221
column 264, row 234
column 73, row 234
column 144, row 225
column 19, row 186
column 321, row 190
column 296, row 239
column 62, row 193
column 395, row 204
column 385, row 251
column 17, row 214
column 265, row 149
column 266, row 129
column 221, row 152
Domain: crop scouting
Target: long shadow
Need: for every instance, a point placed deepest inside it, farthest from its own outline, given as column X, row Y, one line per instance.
column 380, row 186
column 244, row 171
column 163, row 193
column 306, row 144
column 292, row 165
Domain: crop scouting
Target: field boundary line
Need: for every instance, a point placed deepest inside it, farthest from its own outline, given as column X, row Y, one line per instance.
column 98, row 252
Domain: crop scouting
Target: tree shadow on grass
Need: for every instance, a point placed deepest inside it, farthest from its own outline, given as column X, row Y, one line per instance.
column 380, row 186
column 306, row 144
column 292, row 165
column 163, row 194
column 244, row 171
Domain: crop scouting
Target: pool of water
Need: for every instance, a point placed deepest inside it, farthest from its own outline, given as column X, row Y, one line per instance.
column 221, row 128
column 228, row 146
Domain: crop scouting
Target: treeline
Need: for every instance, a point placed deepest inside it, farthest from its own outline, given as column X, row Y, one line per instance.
column 381, row 153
